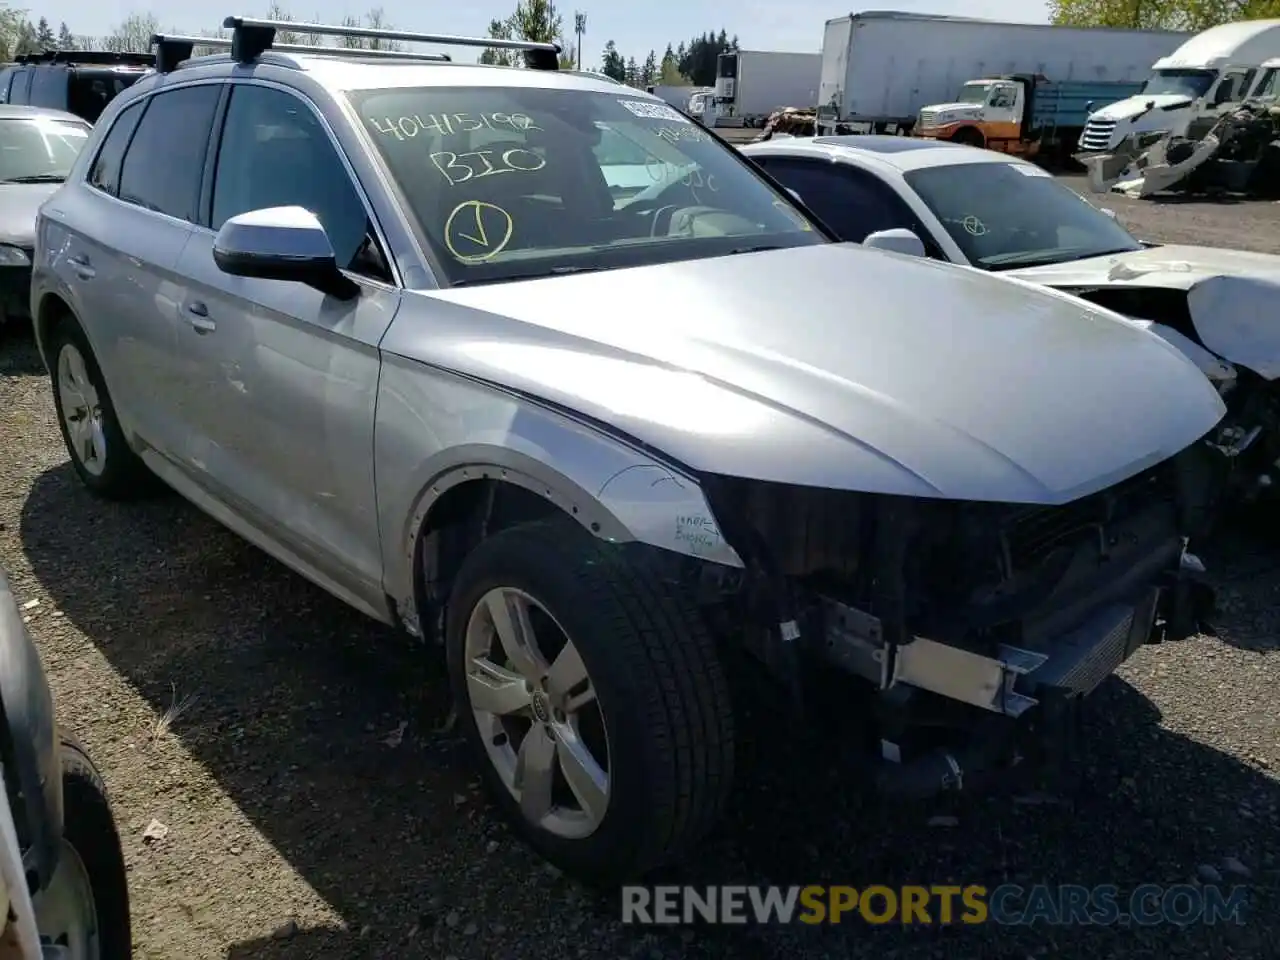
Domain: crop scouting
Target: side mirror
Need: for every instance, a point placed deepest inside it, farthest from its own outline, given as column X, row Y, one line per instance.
column 1108, row 211
column 281, row 243
column 897, row 240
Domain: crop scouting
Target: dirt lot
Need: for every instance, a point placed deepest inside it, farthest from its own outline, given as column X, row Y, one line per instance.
column 287, row 745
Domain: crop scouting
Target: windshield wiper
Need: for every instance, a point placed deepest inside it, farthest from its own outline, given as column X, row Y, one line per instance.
column 1011, row 261
column 757, row 249
column 37, row 178
column 531, row 275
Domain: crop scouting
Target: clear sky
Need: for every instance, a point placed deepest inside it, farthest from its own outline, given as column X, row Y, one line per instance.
column 635, row 25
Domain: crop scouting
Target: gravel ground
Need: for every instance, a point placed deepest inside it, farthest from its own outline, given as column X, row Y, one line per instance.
column 286, row 748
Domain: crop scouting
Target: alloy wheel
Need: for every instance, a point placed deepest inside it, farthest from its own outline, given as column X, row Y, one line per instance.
column 537, row 713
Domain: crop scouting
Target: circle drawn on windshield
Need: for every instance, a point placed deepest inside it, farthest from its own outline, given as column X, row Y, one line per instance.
column 477, row 231
column 973, row 226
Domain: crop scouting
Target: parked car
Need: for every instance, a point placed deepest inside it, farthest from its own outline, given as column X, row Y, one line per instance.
column 37, row 150
column 82, row 82
column 62, row 873
column 389, row 322
column 1007, row 216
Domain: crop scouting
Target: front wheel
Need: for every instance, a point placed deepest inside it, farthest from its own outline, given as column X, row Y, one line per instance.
column 593, row 696
column 84, row 908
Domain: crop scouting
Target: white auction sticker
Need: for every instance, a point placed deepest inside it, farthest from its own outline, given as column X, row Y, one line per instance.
column 654, row 111
column 1031, row 170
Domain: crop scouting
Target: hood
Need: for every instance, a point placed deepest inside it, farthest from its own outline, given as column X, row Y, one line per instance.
column 834, row 366
column 1130, row 107
column 949, row 108
column 19, row 203
column 1231, row 294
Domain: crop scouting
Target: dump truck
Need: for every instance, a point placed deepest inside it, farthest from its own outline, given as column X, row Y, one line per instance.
column 880, row 68
column 1021, row 113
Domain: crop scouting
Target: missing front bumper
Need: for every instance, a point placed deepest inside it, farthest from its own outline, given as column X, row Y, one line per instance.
column 1010, row 681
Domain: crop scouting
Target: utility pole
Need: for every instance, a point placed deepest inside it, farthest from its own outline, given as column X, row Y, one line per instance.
column 579, row 27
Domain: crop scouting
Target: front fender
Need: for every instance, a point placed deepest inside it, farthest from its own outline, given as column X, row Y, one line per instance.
column 435, row 430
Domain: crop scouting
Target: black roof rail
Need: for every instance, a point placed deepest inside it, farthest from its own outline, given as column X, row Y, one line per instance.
column 88, row 57
column 250, row 37
column 174, row 49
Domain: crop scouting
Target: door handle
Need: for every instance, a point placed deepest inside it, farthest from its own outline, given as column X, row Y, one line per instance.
column 81, row 267
column 198, row 317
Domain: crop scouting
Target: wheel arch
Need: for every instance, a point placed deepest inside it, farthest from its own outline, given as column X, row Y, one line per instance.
column 970, row 134
column 51, row 311
column 485, row 489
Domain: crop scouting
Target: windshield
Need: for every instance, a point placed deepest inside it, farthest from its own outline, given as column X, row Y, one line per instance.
column 510, row 182
column 973, row 93
column 36, row 149
column 1005, row 215
column 1189, row 83
column 1269, row 88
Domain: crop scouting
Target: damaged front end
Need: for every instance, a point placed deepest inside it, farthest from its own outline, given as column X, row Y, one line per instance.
column 1223, row 325
column 967, row 624
column 1240, row 153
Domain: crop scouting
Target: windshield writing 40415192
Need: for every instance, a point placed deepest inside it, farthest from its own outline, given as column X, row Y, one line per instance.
column 451, row 124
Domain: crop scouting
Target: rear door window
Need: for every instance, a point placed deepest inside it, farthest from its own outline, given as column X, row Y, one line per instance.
column 166, row 158
column 105, row 173
column 21, row 85
column 49, row 88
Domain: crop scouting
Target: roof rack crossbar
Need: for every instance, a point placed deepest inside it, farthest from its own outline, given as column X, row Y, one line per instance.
column 252, row 36
column 174, row 49
column 87, row 57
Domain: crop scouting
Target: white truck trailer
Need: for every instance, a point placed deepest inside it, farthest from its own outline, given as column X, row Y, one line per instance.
column 879, row 68
column 751, row 84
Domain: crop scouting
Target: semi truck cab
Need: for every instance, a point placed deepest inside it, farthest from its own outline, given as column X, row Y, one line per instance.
column 1190, row 89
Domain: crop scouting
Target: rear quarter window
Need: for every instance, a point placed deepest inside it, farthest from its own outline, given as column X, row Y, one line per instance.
column 49, row 88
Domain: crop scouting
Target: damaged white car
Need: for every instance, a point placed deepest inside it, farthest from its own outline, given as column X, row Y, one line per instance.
column 591, row 440
column 1004, row 215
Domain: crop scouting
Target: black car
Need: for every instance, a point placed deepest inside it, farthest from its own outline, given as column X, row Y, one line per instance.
column 38, row 147
column 63, row 886
column 82, row 82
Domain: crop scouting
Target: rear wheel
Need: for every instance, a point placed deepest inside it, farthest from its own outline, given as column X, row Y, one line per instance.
column 84, row 908
column 99, row 452
column 594, row 698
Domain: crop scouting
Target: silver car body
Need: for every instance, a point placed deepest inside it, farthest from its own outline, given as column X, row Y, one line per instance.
column 325, row 432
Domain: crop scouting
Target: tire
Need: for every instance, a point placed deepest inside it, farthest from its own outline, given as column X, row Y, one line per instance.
column 91, row 859
column 659, row 688
column 115, row 472
column 969, row 137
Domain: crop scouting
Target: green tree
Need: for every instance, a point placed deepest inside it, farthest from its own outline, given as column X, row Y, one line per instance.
column 133, row 34
column 611, row 63
column 45, row 38
column 65, row 39
column 649, row 72
column 25, row 38
column 535, row 20
column 631, row 76
column 697, row 60
column 1192, row 15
